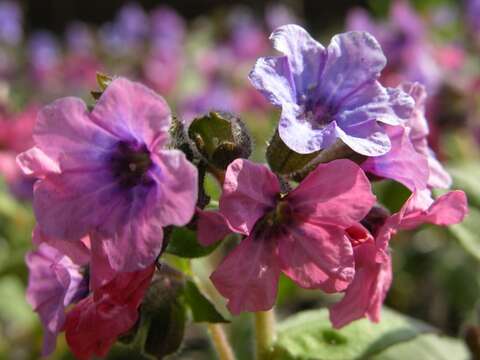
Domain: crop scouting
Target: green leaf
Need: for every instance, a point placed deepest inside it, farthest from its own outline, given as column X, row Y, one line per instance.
column 427, row 347
column 310, row 336
column 467, row 232
column 202, row 309
column 183, row 242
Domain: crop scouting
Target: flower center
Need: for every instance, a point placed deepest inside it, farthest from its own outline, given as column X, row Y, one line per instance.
column 272, row 222
column 130, row 163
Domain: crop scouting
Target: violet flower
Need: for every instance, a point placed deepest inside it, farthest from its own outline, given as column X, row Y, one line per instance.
column 107, row 174
column 55, row 282
column 403, row 38
column 330, row 93
column 11, row 22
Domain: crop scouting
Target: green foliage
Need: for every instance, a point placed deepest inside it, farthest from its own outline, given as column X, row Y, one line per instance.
column 467, row 233
column 465, row 176
column 309, row 336
column 202, row 309
column 183, row 242
column 427, row 347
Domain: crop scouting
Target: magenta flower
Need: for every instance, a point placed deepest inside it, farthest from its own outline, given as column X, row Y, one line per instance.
column 55, row 282
column 373, row 272
column 95, row 323
column 301, row 234
column 106, row 173
column 411, row 161
column 329, row 94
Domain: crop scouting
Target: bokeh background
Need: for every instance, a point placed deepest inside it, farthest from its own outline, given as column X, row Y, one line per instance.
column 198, row 54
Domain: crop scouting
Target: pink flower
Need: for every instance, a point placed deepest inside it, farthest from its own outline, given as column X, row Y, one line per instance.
column 55, row 282
column 411, row 161
column 95, row 323
column 301, row 234
column 373, row 272
column 108, row 174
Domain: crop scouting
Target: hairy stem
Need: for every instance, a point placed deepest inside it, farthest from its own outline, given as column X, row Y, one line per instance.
column 264, row 333
column 220, row 342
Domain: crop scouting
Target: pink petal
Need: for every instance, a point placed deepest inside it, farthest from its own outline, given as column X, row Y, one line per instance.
column 175, row 203
column 78, row 251
column 448, row 209
column 365, row 296
column 248, row 276
column 65, row 132
column 336, row 193
column 135, row 245
column 402, row 163
column 67, row 206
column 129, row 109
column 211, row 226
column 317, row 256
column 35, row 162
column 249, row 191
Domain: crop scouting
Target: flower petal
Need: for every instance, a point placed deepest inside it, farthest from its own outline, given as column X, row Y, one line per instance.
column 353, row 59
column 306, row 57
column 365, row 296
column 177, row 193
column 65, row 133
column 132, row 111
column 248, row 276
column 317, row 256
column 403, row 163
column 249, row 191
column 368, row 139
column 212, row 227
column 336, row 193
column 450, row 208
column 273, row 78
column 63, row 203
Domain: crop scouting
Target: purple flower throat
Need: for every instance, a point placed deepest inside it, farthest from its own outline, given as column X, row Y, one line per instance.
column 130, row 163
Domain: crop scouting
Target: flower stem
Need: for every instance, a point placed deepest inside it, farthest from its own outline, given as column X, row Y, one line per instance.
column 265, row 333
column 220, row 342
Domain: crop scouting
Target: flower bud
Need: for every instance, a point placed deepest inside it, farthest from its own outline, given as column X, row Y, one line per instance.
column 220, row 138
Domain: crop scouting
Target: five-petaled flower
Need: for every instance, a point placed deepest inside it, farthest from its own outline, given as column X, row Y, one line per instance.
column 107, row 173
column 301, row 234
column 330, row 93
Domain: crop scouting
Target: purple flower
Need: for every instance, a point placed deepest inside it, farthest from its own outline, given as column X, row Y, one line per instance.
column 128, row 31
column 330, row 93
column 167, row 28
column 79, row 38
column 11, row 18
column 44, row 52
column 473, row 14
column 107, row 174
column 247, row 38
column 404, row 39
column 411, row 161
column 55, row 282
column 217, row 97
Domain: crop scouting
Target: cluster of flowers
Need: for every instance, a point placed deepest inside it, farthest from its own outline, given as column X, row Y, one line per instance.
column 108, row 182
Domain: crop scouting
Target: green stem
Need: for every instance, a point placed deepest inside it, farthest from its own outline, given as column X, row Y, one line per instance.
column 264, row 333
column 220, row 342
